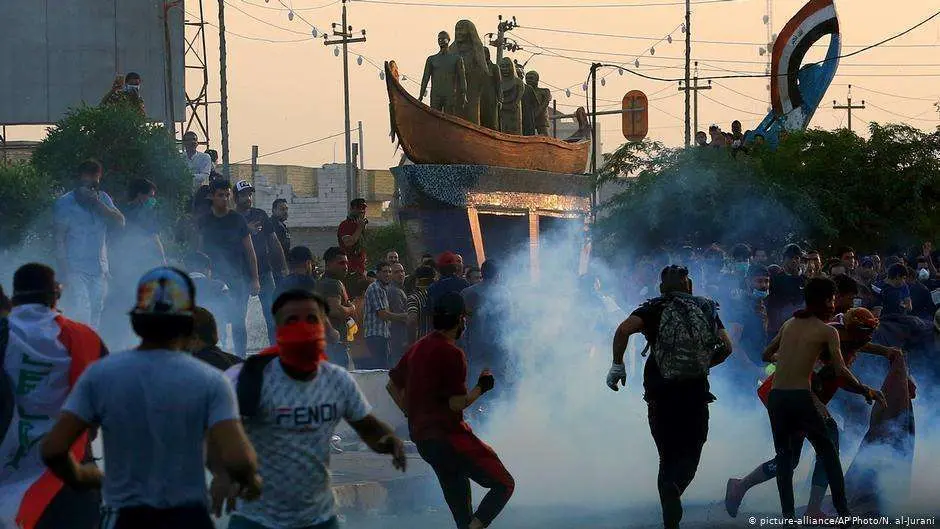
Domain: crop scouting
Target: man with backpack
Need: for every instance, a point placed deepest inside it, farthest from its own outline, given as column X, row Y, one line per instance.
column 291, row 399
column 686, row 338
column 42, row 354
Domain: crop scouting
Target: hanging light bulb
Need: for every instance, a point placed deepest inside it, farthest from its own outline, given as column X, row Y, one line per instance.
column 620, row 71
column 336, row 51
column 603, row 81
column 359, row 60
column 766, row 19
column 382, row 75
column 584, row 87
column 773, row 37
column 762, row 50
column 669, row 39
column 682, row 27
column 652, row 51
column 290, row 15
column 636, row 63
column 404, row 78
column 567, row 92
column 314, row 32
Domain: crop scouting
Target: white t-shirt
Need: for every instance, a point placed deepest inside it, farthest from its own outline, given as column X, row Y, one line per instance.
column 291, row 434
column 200, row 164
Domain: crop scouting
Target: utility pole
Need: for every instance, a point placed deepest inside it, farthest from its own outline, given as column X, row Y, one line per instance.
column 849, row 107
column 346, row 38
column 694, row 87
column 688, row 68
column 362, row 149
column 223, row 88
column 499, row 42
column 937, row 106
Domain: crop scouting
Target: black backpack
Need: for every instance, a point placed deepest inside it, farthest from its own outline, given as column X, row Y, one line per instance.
column 7, row 394
column 250, row 381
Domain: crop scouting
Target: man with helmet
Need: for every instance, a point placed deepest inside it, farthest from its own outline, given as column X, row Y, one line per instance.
column 158, row 408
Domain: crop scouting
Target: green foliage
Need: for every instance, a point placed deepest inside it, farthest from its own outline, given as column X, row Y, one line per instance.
column 819, row 187
column 380, row 239
column 25, row 194
column 127, row 146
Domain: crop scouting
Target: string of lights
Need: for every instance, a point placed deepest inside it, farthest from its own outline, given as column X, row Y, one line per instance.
column 230, row 33
column 542, row 6
column 265, row 22
column 262, row 6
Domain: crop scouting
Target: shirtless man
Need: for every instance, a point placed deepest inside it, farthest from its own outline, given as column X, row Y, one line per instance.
column 855, row 329
column 793, row 407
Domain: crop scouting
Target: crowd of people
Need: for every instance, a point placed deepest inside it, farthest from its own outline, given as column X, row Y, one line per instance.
column 177, row 402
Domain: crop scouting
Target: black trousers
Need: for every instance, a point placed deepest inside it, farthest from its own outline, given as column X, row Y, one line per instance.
column 680, row 429
column 73, row 509
column 189, row 517
column 794, row 413
column 460, row 458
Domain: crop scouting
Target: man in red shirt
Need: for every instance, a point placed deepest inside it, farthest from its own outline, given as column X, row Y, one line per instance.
column 350, row 236
column 429, row 385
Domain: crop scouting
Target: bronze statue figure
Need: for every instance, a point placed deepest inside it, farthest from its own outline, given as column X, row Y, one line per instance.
column 448, row 79
column 468, row 45
column 489, row 98
column 512, row 90
column 535, row 106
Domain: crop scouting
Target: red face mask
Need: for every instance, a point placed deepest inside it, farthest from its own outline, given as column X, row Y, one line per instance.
column 301, row 345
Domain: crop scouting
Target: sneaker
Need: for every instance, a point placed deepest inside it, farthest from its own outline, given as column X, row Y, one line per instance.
column 733, row 497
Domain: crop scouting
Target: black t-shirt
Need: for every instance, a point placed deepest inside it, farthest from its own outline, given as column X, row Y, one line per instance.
column 222, row 242
column 296, row 282
column 283, row 234
column 217, row 358
column 657, row 387
column 260, row 239
column 786, row 296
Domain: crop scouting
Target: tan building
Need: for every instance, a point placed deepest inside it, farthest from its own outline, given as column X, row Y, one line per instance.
column 17, row 151
column 316, row 197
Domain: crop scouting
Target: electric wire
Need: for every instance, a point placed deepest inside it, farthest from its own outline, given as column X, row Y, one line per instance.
column 311, row 142
column 542, row 6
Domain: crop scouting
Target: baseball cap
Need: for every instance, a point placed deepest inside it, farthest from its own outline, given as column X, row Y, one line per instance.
column 861, row 318
column 243, row 185
column 450, row 304
column 793, row 250
column 447, row 258
column 165, row 291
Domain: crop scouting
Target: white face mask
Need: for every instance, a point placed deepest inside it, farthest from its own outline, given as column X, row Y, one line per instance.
column 923, row 274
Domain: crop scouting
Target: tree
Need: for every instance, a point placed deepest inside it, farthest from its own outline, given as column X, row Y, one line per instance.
column 25, row 195
column 126, row 144
column 819, row 187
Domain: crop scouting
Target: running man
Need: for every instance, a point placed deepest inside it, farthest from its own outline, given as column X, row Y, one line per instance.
column 687, row 338
column 855, row 331
column 159, row 409
column 794, row 409
column 292, row 399
column 429, row 386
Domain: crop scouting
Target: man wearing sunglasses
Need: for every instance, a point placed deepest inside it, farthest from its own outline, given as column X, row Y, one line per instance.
column 42, row 354
column 855, row 329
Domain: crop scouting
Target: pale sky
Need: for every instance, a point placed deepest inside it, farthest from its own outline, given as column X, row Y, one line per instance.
column 283, row 94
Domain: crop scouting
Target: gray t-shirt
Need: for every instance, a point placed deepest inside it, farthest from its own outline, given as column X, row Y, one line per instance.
column 154, row 409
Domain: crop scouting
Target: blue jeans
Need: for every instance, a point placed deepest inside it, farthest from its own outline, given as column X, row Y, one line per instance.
column 238, row 522
column 83, row 297
column 338, row 354
column 378, row 353
column 266, row 297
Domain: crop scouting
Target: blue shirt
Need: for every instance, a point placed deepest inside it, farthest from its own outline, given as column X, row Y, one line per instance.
column 86, row 233
column 154, row 408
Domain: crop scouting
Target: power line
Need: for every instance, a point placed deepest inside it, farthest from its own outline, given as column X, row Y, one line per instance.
column 311, row 142
column 913, row 118
column 265, row 22
column 262, row 6
column 542, row 6
column 731, row 107
column 248, row 37
column 895, row 95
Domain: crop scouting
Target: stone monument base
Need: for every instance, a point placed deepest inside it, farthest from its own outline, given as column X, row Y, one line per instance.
column 486, row 212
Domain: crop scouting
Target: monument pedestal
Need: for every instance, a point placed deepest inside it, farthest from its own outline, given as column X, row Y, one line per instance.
column 479, row 211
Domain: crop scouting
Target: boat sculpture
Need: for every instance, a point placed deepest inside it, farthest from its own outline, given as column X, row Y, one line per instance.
column 795, row 93
column 428, row 136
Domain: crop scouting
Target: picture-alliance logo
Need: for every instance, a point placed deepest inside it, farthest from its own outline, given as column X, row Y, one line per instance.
column 305, row 415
